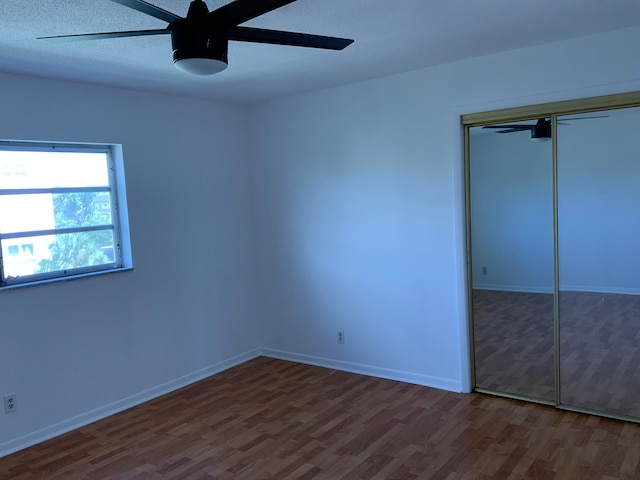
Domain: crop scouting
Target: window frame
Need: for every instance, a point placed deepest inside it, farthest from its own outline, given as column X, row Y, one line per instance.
column 115, row 189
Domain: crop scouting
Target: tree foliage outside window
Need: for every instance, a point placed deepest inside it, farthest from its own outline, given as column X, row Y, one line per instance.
column 79, row 249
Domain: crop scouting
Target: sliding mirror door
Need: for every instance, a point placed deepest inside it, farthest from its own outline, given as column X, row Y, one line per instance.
column 512, row 272
column 598, row 165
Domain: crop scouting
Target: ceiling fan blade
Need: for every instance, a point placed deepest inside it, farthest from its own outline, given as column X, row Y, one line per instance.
column 149, row 9
column 586, row 118
column 102, row 36
column 511, row 130
column 514, row 127
column 240, row 11
column 279, row 37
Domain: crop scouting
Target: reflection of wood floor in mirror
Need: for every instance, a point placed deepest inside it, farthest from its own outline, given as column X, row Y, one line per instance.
column 599, row 347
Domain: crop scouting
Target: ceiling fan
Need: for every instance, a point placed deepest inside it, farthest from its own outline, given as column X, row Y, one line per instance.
column 200, row 41
column 540, row 131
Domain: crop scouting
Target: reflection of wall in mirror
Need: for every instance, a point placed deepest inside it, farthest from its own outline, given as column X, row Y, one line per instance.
column 511, row 212
column 598, row 205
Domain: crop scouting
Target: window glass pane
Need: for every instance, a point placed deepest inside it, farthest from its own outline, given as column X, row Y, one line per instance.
column 57, row 211
column 51, row 169
column 46, row 211
column 57, row 253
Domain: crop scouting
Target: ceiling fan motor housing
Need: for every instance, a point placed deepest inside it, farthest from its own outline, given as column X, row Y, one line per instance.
column 541, row 131
column 192, row 41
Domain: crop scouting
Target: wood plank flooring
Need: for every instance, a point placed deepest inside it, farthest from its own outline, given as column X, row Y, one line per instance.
column 272, row 419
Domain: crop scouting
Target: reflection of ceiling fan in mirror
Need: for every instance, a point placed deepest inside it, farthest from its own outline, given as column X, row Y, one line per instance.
column 540, row 131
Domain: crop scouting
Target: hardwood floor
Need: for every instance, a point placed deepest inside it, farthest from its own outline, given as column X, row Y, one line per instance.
column 271, row 419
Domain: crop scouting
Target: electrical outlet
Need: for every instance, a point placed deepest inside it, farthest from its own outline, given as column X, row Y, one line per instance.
column 10, row 404
column 340, row 336
column 484, row 270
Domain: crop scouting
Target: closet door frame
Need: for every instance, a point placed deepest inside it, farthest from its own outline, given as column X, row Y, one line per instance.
column 510, row 115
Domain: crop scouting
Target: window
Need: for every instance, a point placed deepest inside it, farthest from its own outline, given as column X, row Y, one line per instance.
column 59, row 211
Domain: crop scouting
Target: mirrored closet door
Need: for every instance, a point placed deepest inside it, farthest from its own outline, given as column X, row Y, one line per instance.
column 553, row 238
column 599, row 260
column 511, row 207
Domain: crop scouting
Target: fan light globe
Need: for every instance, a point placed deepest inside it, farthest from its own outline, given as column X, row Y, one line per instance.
column 540, row 139
column 200, row 66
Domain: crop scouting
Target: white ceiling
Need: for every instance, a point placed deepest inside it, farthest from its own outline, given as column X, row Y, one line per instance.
column 391, row 36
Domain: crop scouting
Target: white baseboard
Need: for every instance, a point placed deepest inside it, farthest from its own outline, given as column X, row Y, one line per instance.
column 566, row 288
column 591, row 289
column 99, row 413
column 513, row 288
column 391, row 374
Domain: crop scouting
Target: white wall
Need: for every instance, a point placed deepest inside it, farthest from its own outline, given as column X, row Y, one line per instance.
column 355, row 229
column 76, row 350
column 359, row 204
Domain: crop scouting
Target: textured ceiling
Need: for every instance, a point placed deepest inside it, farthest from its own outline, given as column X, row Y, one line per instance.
column 391, row 36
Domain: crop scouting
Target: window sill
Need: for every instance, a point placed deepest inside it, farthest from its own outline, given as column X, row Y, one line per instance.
column 64, row 279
